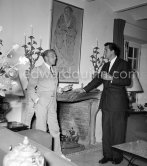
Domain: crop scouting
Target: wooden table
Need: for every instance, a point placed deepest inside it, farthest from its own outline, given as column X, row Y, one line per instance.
column 136, row 149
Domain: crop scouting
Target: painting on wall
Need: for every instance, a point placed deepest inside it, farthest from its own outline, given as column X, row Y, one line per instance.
column 66, row 38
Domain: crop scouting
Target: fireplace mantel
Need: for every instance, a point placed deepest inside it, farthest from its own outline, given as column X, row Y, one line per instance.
column 80, row 113
column 65, row 97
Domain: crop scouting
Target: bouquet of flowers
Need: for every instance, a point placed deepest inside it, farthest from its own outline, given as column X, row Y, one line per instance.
column 96, row 60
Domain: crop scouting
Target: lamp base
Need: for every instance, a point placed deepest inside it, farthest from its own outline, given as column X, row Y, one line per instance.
column 132, row 99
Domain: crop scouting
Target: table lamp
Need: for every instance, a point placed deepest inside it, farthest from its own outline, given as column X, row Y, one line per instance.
column 134, row 88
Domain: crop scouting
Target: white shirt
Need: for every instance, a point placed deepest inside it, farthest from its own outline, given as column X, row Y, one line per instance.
column 47, row 65
column 59, row 90
column 112, row 62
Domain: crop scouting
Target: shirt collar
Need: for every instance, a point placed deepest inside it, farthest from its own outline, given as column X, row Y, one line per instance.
column 113, row 60
column 47, row 65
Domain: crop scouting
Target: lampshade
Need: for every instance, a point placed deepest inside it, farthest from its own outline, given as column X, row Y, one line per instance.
column 135, row 84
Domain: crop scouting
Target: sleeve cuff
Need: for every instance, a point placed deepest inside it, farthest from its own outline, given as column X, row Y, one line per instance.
column 83, row 90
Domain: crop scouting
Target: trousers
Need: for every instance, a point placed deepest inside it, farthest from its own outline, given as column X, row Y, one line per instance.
column 46, row 114
column 113, row 128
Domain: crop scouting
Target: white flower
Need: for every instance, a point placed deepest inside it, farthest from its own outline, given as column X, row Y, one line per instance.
column 15, row 47
column 14, row 83
column 34, row 56
column 23, row 60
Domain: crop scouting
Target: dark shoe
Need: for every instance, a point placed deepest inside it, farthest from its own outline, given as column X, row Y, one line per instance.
column 116, row 161
column 105, row 160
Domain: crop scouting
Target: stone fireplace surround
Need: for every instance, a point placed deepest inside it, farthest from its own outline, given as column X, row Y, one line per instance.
column 79, row 114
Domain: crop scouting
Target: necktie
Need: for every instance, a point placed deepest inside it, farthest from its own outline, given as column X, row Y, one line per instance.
column 108, row 67
column 52, row 71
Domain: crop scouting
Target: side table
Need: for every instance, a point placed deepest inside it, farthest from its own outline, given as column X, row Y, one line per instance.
column 133, row 112
column 137, row 149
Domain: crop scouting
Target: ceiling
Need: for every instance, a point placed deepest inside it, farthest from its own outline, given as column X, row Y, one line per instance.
column 122, row 5
column 135, row 9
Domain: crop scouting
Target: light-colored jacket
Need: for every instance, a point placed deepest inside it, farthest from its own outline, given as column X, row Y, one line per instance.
column 45, row 81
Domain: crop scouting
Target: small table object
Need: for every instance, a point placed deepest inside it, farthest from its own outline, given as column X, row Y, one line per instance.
column 16, row 126
column 132, row 111
column 135, row 149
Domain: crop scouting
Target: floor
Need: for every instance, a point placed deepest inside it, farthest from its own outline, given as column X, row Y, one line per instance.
column 91, row 158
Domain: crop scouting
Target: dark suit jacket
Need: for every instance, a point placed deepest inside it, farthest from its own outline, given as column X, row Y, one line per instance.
column 114, row 96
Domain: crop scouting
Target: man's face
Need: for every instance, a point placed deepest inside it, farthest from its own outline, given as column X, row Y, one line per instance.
column 108, row 53
column 51, row 58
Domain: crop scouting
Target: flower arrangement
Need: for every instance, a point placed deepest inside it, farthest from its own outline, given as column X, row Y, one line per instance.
column 7, row 72
column 71, row 136
column 32, row 53
column 97, row 61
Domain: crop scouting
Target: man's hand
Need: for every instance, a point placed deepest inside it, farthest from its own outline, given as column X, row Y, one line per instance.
column 75, row 93
column 106, row 76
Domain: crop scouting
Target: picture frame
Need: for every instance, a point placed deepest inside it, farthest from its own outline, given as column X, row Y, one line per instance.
column 66, row 39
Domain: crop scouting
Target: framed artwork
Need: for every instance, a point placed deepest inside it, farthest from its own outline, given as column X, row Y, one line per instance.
column 66, row 38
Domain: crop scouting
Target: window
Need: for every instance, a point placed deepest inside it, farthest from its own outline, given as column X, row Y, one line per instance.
column 132, row 54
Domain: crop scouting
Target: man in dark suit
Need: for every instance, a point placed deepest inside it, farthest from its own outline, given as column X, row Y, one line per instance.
column 114, row 75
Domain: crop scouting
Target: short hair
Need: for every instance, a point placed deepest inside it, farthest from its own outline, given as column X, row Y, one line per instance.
column 113, row 46
column 45, row 53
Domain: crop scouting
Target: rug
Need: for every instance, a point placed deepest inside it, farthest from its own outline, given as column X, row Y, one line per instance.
column 87, row 149
column 73, row 150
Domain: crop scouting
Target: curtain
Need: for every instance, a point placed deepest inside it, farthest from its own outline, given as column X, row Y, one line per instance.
column 118, row 35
